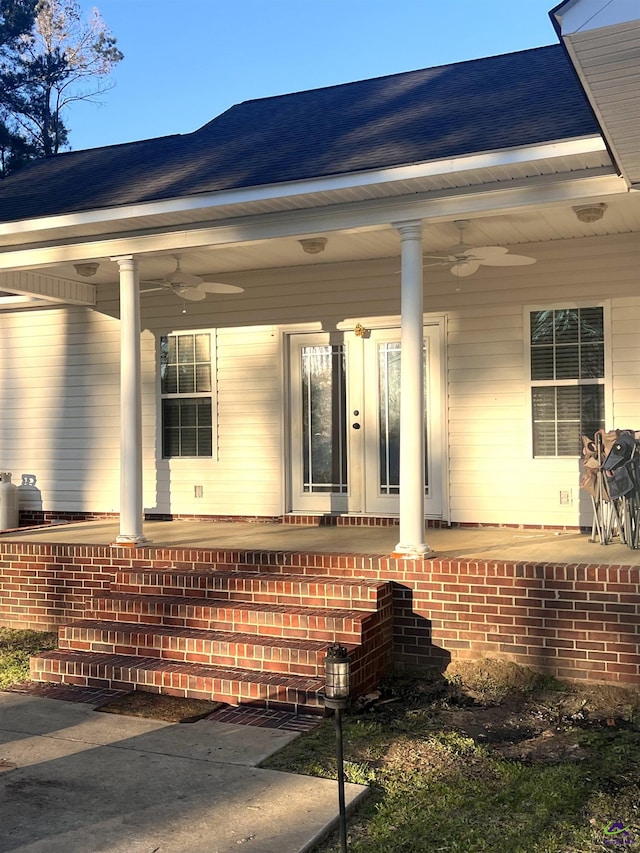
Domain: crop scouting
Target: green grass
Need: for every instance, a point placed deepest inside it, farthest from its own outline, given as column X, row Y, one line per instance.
column 437, row 789
column 16, row 646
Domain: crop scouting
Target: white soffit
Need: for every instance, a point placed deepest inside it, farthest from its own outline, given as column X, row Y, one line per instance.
column 602, row 38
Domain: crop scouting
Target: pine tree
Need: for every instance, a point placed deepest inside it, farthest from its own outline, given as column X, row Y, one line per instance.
column 59, row 60
column 17, row 19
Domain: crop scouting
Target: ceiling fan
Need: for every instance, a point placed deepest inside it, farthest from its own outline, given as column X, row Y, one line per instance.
column 185, row 285
column 464, row 260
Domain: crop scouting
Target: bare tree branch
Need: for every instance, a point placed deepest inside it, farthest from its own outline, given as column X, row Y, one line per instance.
column 59, row 60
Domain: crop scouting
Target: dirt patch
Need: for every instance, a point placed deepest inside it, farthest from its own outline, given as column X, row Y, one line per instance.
column 155, row 706
column 491, row 680
column 515, row 712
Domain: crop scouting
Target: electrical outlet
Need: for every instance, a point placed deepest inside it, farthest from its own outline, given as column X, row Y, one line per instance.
column 566, row 497
column 198, row 491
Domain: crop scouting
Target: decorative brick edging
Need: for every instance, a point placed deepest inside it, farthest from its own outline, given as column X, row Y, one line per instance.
column 576, row 621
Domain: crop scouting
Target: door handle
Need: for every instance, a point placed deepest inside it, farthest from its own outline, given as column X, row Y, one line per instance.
column 355, row 426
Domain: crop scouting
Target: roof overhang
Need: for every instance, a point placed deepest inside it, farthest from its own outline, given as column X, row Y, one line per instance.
column 495, row 199
column 602, row 39
column 477, row 171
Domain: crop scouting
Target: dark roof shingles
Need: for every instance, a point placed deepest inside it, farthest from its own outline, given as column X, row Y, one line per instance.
column 500, row 102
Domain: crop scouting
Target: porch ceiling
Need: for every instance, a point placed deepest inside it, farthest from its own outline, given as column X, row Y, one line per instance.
column 518, row 227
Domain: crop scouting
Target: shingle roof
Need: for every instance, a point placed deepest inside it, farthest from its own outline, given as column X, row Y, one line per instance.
column 505, row 101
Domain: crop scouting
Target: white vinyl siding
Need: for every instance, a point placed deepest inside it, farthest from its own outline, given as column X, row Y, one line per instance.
column 625, row 358
column 59, row 381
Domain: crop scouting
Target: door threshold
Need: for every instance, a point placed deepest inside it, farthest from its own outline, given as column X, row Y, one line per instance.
column 340, row 519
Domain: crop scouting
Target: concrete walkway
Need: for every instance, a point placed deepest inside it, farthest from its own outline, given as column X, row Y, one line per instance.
column 73, row 780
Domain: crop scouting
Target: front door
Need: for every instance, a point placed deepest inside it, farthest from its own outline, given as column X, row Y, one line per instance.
column 345, row 422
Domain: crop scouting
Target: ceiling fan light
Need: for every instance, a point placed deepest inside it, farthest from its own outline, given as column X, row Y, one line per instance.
column 463, row 268
column 192, row 294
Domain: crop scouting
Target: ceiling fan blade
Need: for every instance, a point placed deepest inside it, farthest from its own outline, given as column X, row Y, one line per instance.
column 219, row 287
column 508, row 261
column 151, row 289
column 498, row 256
column 192, row 294
column 490, row 252
column 464, row 268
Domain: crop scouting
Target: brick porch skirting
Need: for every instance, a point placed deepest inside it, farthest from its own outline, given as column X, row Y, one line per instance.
column 573, row 621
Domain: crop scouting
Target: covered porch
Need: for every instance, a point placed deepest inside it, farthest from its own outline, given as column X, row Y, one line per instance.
column 352, row 536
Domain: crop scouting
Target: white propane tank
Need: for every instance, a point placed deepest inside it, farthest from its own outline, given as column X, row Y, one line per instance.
column 9, row 513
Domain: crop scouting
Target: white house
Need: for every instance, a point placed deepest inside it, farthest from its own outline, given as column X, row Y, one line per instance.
column 129, row 385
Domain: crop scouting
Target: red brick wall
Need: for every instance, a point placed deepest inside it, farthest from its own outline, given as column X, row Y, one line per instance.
column 43, row 586
column 573, row 621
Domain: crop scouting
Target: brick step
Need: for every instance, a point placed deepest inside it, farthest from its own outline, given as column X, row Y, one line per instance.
column 189, row 645
column 209, row 614
column 195, row 681
column 309, row 591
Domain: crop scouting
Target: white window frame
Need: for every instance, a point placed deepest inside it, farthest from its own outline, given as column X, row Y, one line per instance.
column 211, row 395
column 530, row 383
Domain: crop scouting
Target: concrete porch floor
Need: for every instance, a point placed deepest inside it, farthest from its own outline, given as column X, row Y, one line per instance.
column 512, row 544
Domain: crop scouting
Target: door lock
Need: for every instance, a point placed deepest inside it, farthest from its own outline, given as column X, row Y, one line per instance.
column 356, row 426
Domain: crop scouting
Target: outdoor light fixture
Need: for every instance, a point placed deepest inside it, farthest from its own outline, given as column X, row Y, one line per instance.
column 313, row 245
column 337, row 669
column 590, row 212
column 87, row 270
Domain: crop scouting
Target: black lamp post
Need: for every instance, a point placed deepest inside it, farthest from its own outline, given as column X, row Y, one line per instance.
column 337, row 666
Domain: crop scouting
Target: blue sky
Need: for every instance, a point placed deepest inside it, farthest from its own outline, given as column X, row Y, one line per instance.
column 187, row 61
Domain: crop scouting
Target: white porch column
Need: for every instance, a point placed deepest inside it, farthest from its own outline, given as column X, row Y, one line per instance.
column 131, row 502
column 412, row 528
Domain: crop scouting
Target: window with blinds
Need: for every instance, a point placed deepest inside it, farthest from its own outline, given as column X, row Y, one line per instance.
column 186, row 388
column 567, row 378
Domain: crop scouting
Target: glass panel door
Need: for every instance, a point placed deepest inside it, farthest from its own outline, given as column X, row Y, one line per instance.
column 389, row 360
column 345, row 422
column 324, row 439
column 382, row 393
column 389, row 418
column 322, row 443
